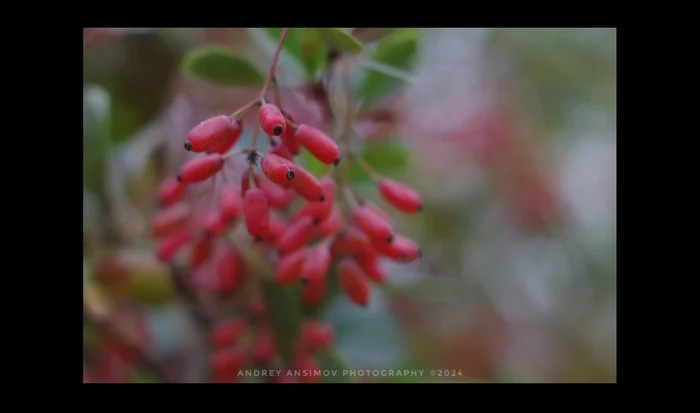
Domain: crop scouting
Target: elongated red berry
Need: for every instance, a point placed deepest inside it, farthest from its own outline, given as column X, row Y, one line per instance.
column 214, row 224
column 370, row 264
column 316, row 264
column 320, row 210
column 313, row 292
column 277, row 169
column 399, row 196
column 200, row 169
column 256, row 212
column 263, row 350
column 170, row 191
column 271, row 120
column 316, row 335
column 318, row 143
column 210, row 132
column 306, row 185
column 288, row 137
column 280, row 149
column 350, row 241
column 171, row 244
column 278, row 197
column 401, row 249
column 226, row 333
column 288, row 268
column 308, row 368
column 170, row 220
column 230, row 203
column 226, row 364
column 330, row 225
column 227, row 141
column 201, row 250
column 275, row 228
column 352, row 281
column 296, row 235
column 372, row 224
column 230, row 270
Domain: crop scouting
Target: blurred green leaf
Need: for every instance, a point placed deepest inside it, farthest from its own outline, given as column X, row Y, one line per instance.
column 285, row 315
column 305, row 45
column 342, row 40
column 385, row 157
column 396, row 51
column 96, row 117
column 219, row 65
column 330, row 360
column 313, row 165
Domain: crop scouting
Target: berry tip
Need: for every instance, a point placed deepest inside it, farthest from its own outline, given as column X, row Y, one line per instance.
column 390, row 238
column 188, row 146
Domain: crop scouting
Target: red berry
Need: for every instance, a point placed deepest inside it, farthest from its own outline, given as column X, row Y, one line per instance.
column 230, row 270
column 275, row 228
column 277, row 196
column 319, row 144
column 353, row 282
column 169, row 220
column 400, row 249
column 170, row 245
column 200, row 169
column 316, row 335
column 230, row 203
column 214, row 224
column 271, row 120
column 320, row 210
column 280, row 149
column 372, row 224
column 210, row 132
column 400, row 196
column 289, row 139
column 313, row 292
column 350, row 241
column 308, row 369
column 296, row 235
column 200, row 252
column 288, row 268
column 170, row 191
column 306, row 185
column 330, row 225
column 263, row 350
column 256, row 212
column 368, row 261
column 226, row 333
column 225, row 364
column 316, row 264
column 227, row 141
column 277, row 169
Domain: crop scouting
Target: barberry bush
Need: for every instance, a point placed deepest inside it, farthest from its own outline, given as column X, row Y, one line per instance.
column 264, row 220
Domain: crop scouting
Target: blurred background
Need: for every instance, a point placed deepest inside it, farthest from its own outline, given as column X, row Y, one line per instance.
column 508, row 134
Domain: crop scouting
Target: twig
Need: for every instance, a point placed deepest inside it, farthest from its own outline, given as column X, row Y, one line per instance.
column 273, row 64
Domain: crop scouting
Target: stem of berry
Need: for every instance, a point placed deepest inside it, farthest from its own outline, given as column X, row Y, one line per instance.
column 254, row 143
column 235, row 153
column 240, row 112
column 273, row 64
column 373, row 175
column 276, row 88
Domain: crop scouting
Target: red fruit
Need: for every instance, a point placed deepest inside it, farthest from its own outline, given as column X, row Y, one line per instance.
column 210, row 132
column 280, row 149
column 350, row 241
column 226, row 333
column 330, row 225
column 372, row 224
column 288, row 137
column 288, row 268
column 225, row 364
column 230, row 203
column 256, row 212
column 275, row 229
column 230, row 270
column 319, row 144
column 306, row 185
column 316, row 264
column 170, row 191
column 307, row 368
column 227, row 141
column 368, row 261
column 170, row 245
column 263, row 350
column 277, row 169
column 320, row 210
column 169, row 220
column 296, row 235
column 200, row 252
column 214, row 224
column 277, row 196
column 400, row 196
column 316, row 335
column 352, row 281
column 200, row 169
column 271, row 120
column 400, row 249
column 313, row 292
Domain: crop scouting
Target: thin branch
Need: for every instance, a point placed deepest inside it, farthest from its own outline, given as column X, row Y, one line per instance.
column 273, row 64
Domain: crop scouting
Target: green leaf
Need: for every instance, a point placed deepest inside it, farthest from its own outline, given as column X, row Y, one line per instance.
column 397, row 51
column 305, row 45
column 96, row 117
column 330, row 360
column 342, row 40
column 313, row 165
column 219, row 65
column 385, row 157
column 284, row 313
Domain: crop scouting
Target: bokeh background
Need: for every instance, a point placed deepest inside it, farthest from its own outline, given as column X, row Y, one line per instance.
column 509, row 135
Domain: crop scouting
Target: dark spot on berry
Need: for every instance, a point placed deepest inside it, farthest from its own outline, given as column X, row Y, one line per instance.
column 337, row 161
column 316, row 221
column 188, row 146
column 277, row 130
column 304, row 280
column 290, row 174
column 179, row 178
column 390, row 238
column 258, row 239
column 321, row 198
column 239, row 122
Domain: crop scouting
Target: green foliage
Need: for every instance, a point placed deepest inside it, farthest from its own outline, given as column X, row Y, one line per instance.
column 96, row 117
column 385, row 156
column 397, row 50
column 284, row 314
column 313, row 165
column 305, row 45
column 341, row 39
column 217, row 64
